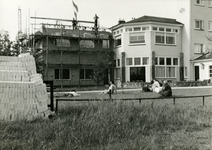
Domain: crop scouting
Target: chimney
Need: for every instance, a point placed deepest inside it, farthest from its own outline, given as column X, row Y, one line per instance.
column 121, row 21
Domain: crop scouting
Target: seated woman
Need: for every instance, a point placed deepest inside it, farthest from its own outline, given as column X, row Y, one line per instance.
column 156, row 86
column 166, row 89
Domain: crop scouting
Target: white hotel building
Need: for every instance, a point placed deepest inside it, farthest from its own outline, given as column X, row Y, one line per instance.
column 165, row 48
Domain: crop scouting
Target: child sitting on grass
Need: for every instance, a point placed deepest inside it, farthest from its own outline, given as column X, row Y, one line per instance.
column 72, row 94
column 111, row 88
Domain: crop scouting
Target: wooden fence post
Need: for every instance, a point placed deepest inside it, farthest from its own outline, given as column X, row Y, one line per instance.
column 174, row 100
column 56, row 106
column 110, row 94
column 203, row 100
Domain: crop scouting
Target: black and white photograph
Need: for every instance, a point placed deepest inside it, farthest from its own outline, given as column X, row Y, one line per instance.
column 105, row 74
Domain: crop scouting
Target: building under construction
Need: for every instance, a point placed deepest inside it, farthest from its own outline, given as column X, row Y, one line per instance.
column 72, row 53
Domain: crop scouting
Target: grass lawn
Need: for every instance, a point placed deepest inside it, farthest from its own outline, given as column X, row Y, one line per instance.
column 117, row 125
column 140, row 94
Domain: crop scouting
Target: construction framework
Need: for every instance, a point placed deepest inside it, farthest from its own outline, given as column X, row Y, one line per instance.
column 74, row 34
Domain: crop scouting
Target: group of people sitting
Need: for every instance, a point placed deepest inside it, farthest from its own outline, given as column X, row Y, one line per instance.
column 162, row 88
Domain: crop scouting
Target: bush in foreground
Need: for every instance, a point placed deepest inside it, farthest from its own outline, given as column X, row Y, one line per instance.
column 106, row 125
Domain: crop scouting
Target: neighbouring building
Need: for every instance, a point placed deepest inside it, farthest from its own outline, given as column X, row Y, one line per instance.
column 203, row 66
column 146, row 48
column 196, row 17
column 197, row 20
column 70, row 55
column 200, row 27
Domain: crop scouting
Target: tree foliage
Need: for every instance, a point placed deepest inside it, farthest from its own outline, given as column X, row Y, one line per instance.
column 103, row 65
column 5, row 43
column 20, row 45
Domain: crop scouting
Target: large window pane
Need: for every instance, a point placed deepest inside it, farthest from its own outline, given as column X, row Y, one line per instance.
column 159, row 37
column 137, row 28
column 86, row 44
column 168, row 61
column 62, row 42
column 198, row 48
column 66, row 74
column 170, row 71
column 185, row 71
column 137, row 74
column 118, row 62
column 160, row 71
column 161, row 61
column 137, row 61
column 175, row 61
column 199, row 24
column 57, row 74
column 156, row 60
column 105, row 43
column 128, row 61
column 82, row 74
column 88, row 73
column 137, row 38
column 170, row 38
column 145, row 60
column 117, row 73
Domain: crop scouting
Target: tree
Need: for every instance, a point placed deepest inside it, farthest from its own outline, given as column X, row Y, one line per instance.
column 104, row 63
column 5, row 43
column 21, row 45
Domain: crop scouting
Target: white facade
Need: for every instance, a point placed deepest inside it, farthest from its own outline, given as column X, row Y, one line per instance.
column 196, row 17
column 135, row 43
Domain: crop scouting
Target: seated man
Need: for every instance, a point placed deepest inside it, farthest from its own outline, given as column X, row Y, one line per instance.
column 166, row 89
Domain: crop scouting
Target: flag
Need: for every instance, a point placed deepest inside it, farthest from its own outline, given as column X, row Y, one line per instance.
column 76, row 9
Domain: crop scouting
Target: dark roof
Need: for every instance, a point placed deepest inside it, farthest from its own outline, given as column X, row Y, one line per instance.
column 150, row 19
column 154, row 19
column 205, row 56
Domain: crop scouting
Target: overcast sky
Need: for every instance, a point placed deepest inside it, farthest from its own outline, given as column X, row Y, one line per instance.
column 109, row 11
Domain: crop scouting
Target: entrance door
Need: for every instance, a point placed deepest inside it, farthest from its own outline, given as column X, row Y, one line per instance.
column 137, row 74
column 196, row 73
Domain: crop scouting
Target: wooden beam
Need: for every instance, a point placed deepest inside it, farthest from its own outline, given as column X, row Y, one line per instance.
column 61, row 19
